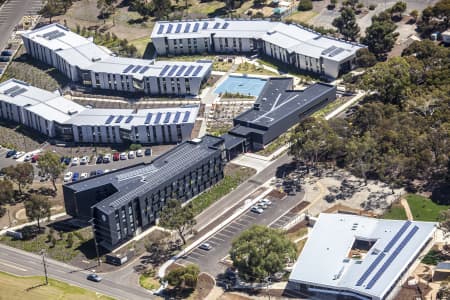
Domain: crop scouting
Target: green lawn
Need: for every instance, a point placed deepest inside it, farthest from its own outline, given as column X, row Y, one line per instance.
column 248, row 68
column 149, row 282
column 423, row 209
column 396, row 212
column 15, row 287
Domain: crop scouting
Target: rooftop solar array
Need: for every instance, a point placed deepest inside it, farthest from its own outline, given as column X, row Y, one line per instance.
column 136, row 69
column 169, row 28
column 186, row 116
column 225, row 25
column 205, row 25
column 148, row 118
column 189, row 70
column 196, row 26
column 329, row 50
column 216, row 26
column 164, row 70
column 181, row 70
column 397, row 236
column 158, row 117
column 17, row 92
column 167, row 118
column 177, row 117
column 188, row 26
column 144, row 69
column 174, row 68
column 336, row 52
column 160, row 29
column 178, row 28
column 109, row 120
column 53, row 34
column 119, row 119
column 128, row 120
column 128, row 69
column 197, row 70
column 370, row 269
column 11, row 90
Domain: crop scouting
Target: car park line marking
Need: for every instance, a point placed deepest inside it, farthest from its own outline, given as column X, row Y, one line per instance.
column 229, row 231
column 250, row 217
column 234, row 227
column 242, row 222
column 196, row 255
column 13, row 266
column 216, row 238
column 191, row 257
column 222, row 235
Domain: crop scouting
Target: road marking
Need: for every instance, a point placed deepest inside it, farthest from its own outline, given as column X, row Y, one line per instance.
column 14, row 267
column 221, row 234
column 190, row 257
column 216, row 238
column 234, row 227
column 250, row 217
column 229, row 231
column 242, row 224
column 197, row 253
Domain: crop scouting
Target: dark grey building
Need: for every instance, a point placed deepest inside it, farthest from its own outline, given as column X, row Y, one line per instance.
column 124, row 202
column 277, row 109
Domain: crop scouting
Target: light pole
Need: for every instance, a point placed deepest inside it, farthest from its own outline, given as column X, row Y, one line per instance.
column 45, row 266
column 99, row 261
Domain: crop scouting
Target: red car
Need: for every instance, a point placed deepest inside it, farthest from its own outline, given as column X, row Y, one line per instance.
column 34, row 158
column 116, row 156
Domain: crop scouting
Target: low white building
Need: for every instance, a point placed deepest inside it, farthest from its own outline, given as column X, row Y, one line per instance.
column 355, row 257
column 59, row 118
column 81, row 60
column 289, row 43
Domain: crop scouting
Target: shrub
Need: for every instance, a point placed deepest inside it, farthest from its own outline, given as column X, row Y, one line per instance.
column 305, row 5
column 134, row 147
column 372, row 6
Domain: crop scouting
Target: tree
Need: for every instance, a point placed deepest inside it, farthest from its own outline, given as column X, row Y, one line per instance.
column 49, row 10
column 380, row 37
column 7, row 192
column 143, row 8
column 414, row 14
column 350, row 3
column 398, row 8
column 365, row 58
column 176, row 217
column 70, row 240
column 66, row 4
column 260, row 252
column 49, row 163
column 346, row 24
column 305, row 5
column 183, row 277
column 106, row 8
column 162, row 8
column 21, row 174
column 37, row 208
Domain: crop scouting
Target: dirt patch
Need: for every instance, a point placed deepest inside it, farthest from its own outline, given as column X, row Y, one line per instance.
column 276, row 194
column 419, row 291
column 299, row 207
column 297, row 226
column 205, row 284
column 343, row 209
column 233, row 296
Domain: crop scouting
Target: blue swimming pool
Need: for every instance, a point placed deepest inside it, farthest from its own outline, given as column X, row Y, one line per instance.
column 243, row 85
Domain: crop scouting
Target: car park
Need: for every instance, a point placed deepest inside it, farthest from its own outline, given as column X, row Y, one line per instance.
column 139, row 153
column 68, row 176
column 106, row 158
column 34, row 158
column 10, row 153
column 75, row 176
column 148, row 152
column 84, row 175
column 205, row 246
column 99, row 159
column 116, row 156
column 84, row 160
column 75, row 161
column 18, row 155
column 131, row 155
column 123, row 156
column 94, row 277
column 257, row 210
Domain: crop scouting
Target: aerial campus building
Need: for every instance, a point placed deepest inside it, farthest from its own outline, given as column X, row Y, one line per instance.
column 291, row 44
column 355, row 257
column 277, row 108
column 59, row 118
column 82, row 61
column 127, row 201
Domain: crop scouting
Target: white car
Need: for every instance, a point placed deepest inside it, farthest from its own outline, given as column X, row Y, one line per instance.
column 107, row 158
column 266, row 202
column 257, row 210
column 18, row 154
column 131, row 155
column 84, row 175
column 107, row 171
column 139, row 153
column 75, row 161
column 123, row 156
column 27, row 157
column 84, row 160
column 68, row 176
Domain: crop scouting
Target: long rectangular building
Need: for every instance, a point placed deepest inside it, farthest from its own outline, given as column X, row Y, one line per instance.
column 80, row 60
column 127, row 201
column 290, row 44
column 59, row 118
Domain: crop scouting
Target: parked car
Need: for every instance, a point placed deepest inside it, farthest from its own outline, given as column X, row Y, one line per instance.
column 148, row 152
column 93, row 173
column 139, row 153
column 94, row 277
column 261, row 205
column 6, row 53
column 131, row 155
column 99, row 172
column 116, row 156
column 34, row 158
column 84, row 175
column 205, row 246
column 106, row 171
column 75, row 176
column 99, row 159
column 266, row 201
column 18, row 154
column 123, row 156
column 106, row 158
column 84, row 160
column 257, row 210
column 68, row 176
column 67, row 161
column 75, row 161
column 27, row 157
column 10, row 153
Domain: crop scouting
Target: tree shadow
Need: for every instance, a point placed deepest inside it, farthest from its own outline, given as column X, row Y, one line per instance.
column 222, row 11
column 35, row 287
column 283, row 170
column 87, row 248
column 149, row 52
column 441, row 194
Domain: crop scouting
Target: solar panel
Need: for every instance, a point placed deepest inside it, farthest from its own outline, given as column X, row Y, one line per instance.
column 188, row 26
column 167, row 118
column 336, row 52
column 174, row 68
column 397, row 236
column 181, row 70
column 109, row 120
column 59, row 34
column 158, row 118
column 148, row 118
column 128, row 120
column 186, row 116
column 391, row 258
column 197, row 70
column 178, row 28
column 216, row 26
column 160, row 29
column 196, row 26
column 328, row 50
column 136, row 69
column 189, row 70
column 169, row 28
column 177, row 117
column 128, row 69
column 13, row 89
column 164, row 70
column 205, row 25
column 46, row 35
column 18, row 92
column 144, row 69
column 225, row 25
column 370, row 269
column 119, row 119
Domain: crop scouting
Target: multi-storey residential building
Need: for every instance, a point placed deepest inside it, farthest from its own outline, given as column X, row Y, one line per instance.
column 59, row 118
column 124, row 202
column 80, row 60
column 291, row 44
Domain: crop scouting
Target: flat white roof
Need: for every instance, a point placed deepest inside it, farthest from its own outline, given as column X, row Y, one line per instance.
column 325, row 262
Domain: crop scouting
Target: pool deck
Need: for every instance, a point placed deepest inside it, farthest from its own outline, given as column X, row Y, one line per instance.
column 245, row 85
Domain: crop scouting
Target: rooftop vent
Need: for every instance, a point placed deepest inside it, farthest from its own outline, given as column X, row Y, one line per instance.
column 72, row 112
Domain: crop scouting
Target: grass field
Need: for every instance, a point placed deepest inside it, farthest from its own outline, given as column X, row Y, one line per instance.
column 301, row 16
column 423, row 209
column 396, row 212
column 13, row 287
column 248, row 68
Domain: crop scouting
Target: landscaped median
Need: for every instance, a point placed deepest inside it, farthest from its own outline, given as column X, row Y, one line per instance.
column 33, row 287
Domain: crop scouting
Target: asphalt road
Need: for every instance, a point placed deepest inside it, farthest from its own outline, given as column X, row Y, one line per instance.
column 25, row 264
column 11, row 13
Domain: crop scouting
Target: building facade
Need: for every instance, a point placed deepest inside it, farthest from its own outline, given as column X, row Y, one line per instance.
column 59, row 118
column 82, row 61
column 290, row 44
column 125, row 202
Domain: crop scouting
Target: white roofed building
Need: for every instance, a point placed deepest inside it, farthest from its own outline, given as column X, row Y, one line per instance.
column 355, row 257
column 291, row 44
